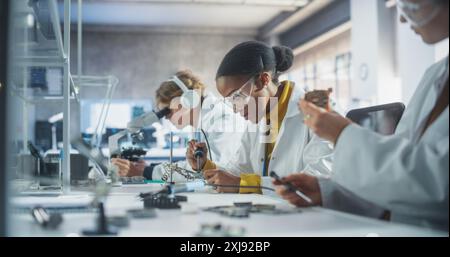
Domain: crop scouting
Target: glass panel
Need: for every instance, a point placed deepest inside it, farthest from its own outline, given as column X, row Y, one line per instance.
column 35, row 84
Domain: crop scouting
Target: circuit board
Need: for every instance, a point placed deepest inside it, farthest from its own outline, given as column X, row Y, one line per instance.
column 243, row 210
column 320, row 98
column 188, row 174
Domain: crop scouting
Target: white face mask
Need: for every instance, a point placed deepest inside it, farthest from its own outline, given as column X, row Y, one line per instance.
column 418, row 13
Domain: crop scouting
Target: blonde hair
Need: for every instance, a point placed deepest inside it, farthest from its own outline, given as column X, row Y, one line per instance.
column 168, row 90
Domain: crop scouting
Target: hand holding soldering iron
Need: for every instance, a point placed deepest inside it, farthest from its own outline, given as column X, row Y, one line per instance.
column 193, row 156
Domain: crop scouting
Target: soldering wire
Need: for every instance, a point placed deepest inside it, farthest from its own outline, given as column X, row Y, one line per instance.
column 207, row 143
column 238, row 186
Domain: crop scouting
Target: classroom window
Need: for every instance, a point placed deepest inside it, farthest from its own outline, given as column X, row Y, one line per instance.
column 326, row 65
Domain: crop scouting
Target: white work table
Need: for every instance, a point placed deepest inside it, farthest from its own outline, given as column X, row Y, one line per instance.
column 309, row 222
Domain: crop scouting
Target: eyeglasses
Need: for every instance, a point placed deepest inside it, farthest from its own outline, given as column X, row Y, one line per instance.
column 418, row 13
column 241, row 97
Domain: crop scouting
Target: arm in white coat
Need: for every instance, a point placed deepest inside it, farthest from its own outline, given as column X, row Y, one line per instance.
column 317, row 157
column 223, row 129
column 392, row 171
column 240, row 161
column 338, row 198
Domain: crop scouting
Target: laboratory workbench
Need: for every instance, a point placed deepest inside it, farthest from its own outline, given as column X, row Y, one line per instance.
column 309, row 222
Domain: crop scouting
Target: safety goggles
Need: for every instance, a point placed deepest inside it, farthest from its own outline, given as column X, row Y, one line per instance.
column 418, row 13
column 241, row 97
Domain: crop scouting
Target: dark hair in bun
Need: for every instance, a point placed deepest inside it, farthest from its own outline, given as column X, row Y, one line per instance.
column 284, row 57
column 253, row 57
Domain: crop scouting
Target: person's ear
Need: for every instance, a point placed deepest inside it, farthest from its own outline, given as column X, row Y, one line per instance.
column 263, row 80
column 266, row 78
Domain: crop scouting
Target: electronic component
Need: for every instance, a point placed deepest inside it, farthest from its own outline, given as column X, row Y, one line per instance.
column 217, row 230
column 290, row 187
column 171, row 189
column 188, row 174
column 243, row 210
column 320, row 98
column 164, row 201
column 142, row 213
column 243, row 204
column 136, row 180
column 230, row 211
column 119, row 221
column 45, row 219
column 238, row 212
column 166, row 198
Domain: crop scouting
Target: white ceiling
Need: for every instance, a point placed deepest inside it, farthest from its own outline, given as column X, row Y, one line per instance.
column 245, row 14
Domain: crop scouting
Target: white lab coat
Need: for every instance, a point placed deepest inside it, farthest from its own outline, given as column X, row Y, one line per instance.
column 290, row 153
column 223, row 128
column 403, row 173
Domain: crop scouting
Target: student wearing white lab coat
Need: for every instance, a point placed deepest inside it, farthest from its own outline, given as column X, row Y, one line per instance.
column 248, row 79
column 211, row 118
column 406, row 173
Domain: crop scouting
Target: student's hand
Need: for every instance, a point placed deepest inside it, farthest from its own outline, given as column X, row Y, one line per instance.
column 220, row 177
column 192, row 146
column 327, row 125
column 307, row 184
column 129, row 169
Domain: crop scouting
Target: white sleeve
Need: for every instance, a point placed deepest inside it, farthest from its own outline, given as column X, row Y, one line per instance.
column 240, row 161
column 223, row 145
column 318, row 157
column 224, row 132
column 338, row 198
column 392, row 171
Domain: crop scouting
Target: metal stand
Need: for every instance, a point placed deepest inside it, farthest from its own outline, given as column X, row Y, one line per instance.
column 171, row 158
column 103, row 227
